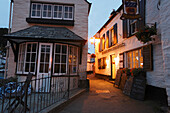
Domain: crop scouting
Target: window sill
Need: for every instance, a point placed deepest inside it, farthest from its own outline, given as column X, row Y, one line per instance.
column 65, row 75
column 18, row 74
column 50, row 21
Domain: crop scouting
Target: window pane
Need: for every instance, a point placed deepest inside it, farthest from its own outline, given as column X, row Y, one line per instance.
column 60, row 8
column 66, row 15
column 27, row 67
column 46, row 68
column 74, row 69
column 33, row 59
column 42, row 49
column 45, row 7
column 55, row 14
column 44, row 14
column 34, row 6
column 33, row 13
column 38, row 7
column 56, row 68
column 63, row 59
column 29, row 48
column 48, row 49
column 57, row 58
column 59, row 15
column 28, row 57
column 58, row 48
column 38, row 13
column 42, row 57
column 70, row 15
column 49, row 7
column 34, row 47
column 70, row 9
column 64, row 49
column 63, row 68
column 66, row 9
column 41, row 68
column 55, row 8
column 47, row 58
column 32, row 67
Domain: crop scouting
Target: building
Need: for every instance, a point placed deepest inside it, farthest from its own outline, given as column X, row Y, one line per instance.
column 119, row 48
column 49, row 38
column 90, row 63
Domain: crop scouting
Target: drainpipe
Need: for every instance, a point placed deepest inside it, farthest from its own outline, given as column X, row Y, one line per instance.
column 8, row 44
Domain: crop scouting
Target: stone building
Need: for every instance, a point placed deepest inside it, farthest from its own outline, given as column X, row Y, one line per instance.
column 119, row 48
column 49, row 38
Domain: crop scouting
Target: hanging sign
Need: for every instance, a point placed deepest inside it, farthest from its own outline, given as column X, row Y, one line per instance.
column 130, row 9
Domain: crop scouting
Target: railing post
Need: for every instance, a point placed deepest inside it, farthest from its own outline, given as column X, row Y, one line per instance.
column 26, row 95
column 68, row 83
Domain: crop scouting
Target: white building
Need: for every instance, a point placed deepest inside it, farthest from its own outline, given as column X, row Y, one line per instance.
column 119, row 48
column 49, row 37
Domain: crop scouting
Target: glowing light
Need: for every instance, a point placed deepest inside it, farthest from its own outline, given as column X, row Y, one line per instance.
column 107, row 62
column 92, row 40
column 116, row 60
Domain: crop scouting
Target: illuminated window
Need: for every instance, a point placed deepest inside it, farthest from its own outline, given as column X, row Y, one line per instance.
column 135, row 59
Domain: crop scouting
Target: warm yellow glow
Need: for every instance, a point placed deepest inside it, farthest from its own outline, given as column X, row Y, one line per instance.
column 107, row 62
column 92, row 40
column 97, row 40
column 116, row 60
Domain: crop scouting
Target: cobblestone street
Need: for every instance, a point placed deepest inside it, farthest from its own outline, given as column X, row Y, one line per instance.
column 104, row 98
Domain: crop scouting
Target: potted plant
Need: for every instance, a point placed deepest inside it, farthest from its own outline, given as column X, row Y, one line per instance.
column 144, row 35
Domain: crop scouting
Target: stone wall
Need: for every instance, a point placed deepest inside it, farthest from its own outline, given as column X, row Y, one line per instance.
column 21, row 11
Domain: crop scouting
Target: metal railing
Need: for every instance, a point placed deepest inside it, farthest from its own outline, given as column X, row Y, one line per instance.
column 40, row 94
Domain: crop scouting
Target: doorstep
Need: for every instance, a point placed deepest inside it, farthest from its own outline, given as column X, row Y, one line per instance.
column 58, row 106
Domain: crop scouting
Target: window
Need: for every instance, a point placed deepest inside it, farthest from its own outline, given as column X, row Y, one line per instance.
column 57, row 12
column 21, row 56
column 73, row 59
column 44, row 58
column 103, row 42
column 27, row 58
column 47, row 11
column 68, row 12
column 60, row 59
column 36, row 10
column 133, row 26
column 114, row 37
column 135, row 59
column 107, row 39
column 102, row 63
column 39, row 10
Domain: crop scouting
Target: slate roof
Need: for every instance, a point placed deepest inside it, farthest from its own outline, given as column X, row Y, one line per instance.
column 45, row 32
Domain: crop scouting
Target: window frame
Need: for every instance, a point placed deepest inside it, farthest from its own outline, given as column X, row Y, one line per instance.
column 36, row 10
column 131, row 63
column 47, row 11
column 60, row 59
column 72, row 62
column 131, row 23
column 57, row 12
column 68, row 12
column 24, row 59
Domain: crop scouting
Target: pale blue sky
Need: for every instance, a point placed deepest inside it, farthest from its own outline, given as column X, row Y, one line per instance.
column 100, row 12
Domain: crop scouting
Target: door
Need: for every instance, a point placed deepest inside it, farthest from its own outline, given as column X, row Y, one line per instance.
column 44, row 66
column 113, row 67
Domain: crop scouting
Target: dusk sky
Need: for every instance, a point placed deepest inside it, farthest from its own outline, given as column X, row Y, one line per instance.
column 100, row 12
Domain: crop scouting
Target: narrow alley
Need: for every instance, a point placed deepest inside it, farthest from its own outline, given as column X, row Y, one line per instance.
column 104, row 98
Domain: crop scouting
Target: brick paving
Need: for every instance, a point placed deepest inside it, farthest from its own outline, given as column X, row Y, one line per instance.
column 104, row 98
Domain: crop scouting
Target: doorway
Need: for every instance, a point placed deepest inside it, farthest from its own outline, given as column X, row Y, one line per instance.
column 113, row 66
